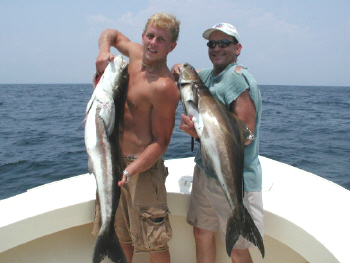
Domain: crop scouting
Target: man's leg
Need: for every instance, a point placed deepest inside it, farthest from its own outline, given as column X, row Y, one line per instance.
column 205, row 245
column 160, row 257
column 128, row 250
column 153, row 207
column 241, row 256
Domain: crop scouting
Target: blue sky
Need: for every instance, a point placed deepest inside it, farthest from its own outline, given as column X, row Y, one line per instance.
column 286, row 42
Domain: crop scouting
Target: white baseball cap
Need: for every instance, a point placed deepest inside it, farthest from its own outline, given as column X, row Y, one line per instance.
column 223, row 27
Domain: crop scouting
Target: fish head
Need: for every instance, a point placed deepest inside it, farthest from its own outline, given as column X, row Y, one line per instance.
column 188, row 84
column 114, row 75
column 119, row 68
column 188, row 74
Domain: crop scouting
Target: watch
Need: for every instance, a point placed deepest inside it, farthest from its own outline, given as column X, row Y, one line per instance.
column 126, row 173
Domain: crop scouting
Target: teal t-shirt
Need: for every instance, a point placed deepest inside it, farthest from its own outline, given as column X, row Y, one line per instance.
column 226, row 87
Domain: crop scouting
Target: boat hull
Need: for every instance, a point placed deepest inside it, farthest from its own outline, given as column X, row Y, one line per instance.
column 58, row 228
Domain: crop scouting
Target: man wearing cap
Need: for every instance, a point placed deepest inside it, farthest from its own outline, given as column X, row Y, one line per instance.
column 234, row 86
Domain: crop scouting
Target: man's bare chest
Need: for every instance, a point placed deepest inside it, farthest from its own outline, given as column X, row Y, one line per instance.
column 139, row 98
column 141, row 90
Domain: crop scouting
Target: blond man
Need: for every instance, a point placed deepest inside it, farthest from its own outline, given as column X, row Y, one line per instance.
column 142, row 222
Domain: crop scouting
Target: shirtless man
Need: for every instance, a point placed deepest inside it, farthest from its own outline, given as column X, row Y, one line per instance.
column 149, row 118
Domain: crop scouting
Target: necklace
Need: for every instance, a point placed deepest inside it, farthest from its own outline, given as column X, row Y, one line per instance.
column 153, row 66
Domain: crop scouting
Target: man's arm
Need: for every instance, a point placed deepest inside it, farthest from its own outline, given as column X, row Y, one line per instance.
column 244, row 108
column 112, row 38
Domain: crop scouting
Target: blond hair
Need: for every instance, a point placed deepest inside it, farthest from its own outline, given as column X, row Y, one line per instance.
column 165, row 21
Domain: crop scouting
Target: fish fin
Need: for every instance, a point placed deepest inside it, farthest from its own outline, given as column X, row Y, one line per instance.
column 89, row 104
column 247, row 228
column 107, row 244
column 232, row 234
column 82, row 124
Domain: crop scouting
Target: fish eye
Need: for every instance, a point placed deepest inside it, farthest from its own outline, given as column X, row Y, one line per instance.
column 196, row 86
column 183, row 84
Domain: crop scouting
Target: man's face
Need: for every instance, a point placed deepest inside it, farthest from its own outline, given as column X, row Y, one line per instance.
column 157, row 43
column 221, row 57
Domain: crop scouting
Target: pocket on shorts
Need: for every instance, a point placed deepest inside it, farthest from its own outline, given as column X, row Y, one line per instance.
column 164, row 169
column 161, row 169
column 155, row 229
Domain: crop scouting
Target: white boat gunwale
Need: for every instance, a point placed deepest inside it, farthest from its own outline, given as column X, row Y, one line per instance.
column 302, row 211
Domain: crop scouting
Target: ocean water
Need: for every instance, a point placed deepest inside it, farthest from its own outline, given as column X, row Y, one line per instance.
column 42, row 134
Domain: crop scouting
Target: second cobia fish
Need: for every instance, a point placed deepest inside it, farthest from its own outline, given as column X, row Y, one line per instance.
column 222, row 137
column 104, row 115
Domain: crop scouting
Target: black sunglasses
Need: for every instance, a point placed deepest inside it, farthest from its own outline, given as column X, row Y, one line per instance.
column 221, row 43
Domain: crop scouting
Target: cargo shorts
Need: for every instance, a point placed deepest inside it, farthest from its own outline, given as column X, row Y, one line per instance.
column 210, row 210
column 142, row 217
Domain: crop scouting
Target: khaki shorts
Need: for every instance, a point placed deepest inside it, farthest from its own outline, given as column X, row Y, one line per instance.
column 210, row 210
column 142, row 216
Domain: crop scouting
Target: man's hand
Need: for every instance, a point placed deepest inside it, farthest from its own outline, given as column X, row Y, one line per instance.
column 123, row 181
column 187, row 125
column 102, row 61
column 176, row 71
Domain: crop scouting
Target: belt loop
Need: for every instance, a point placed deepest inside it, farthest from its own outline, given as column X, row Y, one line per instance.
column 130, row 157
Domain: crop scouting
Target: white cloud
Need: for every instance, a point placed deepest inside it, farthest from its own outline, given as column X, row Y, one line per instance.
column 99, row 19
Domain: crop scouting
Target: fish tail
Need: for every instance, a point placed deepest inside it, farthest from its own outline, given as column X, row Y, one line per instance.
column 246, row 228
column 107, row 244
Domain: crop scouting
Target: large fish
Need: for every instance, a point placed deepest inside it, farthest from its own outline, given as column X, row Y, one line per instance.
column 222, row 136
column 104, row 115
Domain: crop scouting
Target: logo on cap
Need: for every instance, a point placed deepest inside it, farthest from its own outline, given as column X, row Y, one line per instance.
column 219, row 25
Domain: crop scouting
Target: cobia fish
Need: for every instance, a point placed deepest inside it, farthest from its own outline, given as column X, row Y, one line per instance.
column 104, row 115
column 222, row 135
